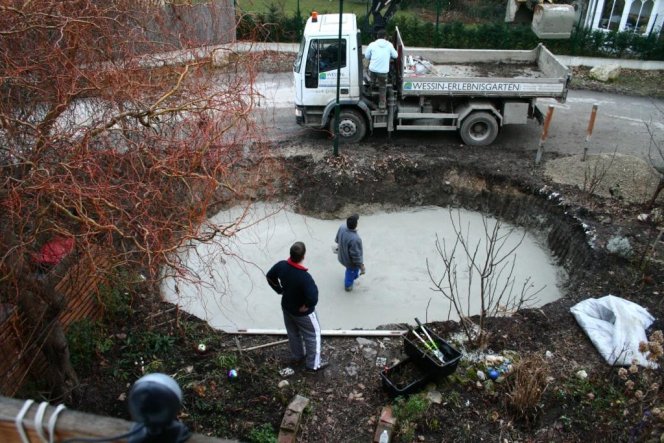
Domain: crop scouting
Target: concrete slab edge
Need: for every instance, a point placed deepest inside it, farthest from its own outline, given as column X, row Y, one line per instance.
column 327, row 332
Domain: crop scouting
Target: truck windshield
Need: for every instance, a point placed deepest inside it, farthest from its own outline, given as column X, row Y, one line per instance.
column 298, row 60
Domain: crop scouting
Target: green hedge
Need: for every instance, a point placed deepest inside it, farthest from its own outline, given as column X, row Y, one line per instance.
column 275, row 27
column 272, row 26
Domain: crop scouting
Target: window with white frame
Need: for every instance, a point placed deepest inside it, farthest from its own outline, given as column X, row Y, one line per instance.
column 611, row 14
column 639, row 15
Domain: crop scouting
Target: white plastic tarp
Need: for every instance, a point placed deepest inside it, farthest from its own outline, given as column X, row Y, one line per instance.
column 616, row 327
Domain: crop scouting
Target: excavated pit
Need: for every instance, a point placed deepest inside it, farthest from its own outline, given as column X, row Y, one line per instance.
column 333, row 188
column 332, row 191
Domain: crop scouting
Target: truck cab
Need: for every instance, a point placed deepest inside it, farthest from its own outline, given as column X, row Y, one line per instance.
column 315, row 72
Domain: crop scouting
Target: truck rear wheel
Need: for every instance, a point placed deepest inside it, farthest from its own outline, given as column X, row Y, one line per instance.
column 479, row 129
column 352, row 127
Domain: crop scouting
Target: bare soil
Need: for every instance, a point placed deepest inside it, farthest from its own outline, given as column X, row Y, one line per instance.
column 347, row 397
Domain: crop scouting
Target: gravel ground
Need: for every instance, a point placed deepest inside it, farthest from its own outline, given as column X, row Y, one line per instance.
column 619, row 176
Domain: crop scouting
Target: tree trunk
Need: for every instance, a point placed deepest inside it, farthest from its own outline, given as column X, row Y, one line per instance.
column 39, row 306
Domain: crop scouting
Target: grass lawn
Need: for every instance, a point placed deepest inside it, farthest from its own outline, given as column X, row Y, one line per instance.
column 289, row 7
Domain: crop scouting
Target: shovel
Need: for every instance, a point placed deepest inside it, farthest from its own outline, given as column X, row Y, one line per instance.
column 427, row 346
column 433, row 346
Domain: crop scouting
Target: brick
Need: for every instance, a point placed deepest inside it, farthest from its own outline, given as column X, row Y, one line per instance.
column 286, row 437
column 386, row 422
column 298, row 404
column 292, row 417
column 386, row 415
column 290, row 421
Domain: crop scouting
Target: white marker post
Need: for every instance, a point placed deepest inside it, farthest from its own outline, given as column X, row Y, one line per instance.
column 545, row 132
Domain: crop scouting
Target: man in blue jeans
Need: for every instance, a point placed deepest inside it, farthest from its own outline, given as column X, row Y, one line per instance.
column 299, row 297
column 349, row 251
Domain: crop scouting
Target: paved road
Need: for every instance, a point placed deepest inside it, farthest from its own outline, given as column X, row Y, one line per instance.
column 620, row 125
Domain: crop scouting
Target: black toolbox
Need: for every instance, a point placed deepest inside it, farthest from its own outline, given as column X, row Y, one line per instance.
column 405, row 377
column 416, row 350
column 420, row 366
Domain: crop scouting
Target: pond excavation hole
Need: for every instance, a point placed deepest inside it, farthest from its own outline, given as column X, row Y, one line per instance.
column 399, row 251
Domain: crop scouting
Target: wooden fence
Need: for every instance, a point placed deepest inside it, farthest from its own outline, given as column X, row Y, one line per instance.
column 66, row 424
column 20, row 354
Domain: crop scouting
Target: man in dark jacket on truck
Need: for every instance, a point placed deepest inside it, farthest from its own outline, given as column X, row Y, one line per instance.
column 299, row 296
column 349, row 250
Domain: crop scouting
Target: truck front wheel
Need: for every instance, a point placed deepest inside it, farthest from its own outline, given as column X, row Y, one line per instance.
column 479, row 129
column 352, row 127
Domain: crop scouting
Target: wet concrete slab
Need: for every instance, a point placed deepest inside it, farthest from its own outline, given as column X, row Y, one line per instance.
column 233, row 294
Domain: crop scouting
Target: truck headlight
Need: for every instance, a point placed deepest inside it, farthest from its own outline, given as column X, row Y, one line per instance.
column 298, row 112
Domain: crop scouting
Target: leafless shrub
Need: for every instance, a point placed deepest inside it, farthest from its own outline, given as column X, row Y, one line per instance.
column 656, row 155
column 526, row 386
column 103, row 143
column 490, row 277
column 650, row 254
column 594, row 174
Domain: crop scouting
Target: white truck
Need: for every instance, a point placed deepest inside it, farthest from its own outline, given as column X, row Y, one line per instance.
column 474, row 92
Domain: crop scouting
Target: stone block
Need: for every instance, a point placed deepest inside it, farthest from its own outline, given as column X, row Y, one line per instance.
column 290, row 421
column 605, row 73
column 220, row 58
column 298, row 404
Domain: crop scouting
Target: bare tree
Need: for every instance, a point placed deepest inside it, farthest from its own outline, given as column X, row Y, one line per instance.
column 490, row 275
column 595, row 172
column 97, row 148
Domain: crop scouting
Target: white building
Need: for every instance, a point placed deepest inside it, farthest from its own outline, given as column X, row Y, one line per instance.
column 642, row 16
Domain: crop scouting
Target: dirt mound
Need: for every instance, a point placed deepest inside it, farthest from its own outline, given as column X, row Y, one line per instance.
column 623, row 177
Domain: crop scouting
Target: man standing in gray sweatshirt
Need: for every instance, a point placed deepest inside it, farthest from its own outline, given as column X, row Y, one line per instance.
column 350, row 253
